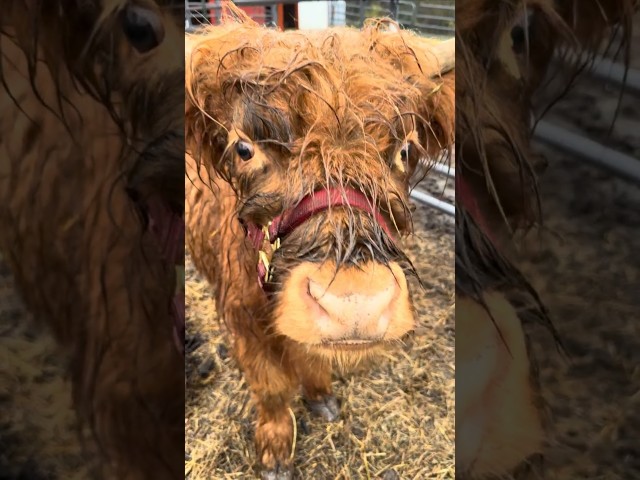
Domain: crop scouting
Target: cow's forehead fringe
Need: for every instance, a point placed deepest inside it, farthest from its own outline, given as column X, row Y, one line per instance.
column 370, row 76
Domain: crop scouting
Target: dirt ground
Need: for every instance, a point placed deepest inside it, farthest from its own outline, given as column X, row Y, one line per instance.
column 397, row 419
column 587, row 269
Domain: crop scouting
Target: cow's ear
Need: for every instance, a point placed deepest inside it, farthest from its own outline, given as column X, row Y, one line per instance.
column 428, row 66
column 194, row 101
column 437, row 110
column 230, row 13
column 206, row 108
column 436, row 82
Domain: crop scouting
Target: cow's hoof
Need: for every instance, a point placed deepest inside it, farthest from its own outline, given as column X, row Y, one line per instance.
column 281, row 472
column 326, row 407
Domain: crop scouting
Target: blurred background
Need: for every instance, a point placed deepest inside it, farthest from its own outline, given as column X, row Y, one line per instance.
column 431, row 18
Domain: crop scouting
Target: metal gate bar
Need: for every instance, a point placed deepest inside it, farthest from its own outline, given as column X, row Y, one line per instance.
column 431, row 201
column 428, row 199
column 606, row 69
column 597, row 154
column 445, row 170
column 623, row 165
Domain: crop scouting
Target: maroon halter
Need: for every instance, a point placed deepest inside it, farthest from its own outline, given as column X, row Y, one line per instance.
column 466, row 198
column 284, row 224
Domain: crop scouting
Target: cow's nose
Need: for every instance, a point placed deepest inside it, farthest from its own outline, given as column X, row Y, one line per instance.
column 349, row 306
column 354, row 311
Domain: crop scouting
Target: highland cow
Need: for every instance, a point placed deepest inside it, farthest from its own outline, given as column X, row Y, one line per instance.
column 505, row 52
column 91, row 205
column 301, row 147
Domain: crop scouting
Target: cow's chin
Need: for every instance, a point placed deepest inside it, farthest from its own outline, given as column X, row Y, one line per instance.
column 348, row 359
column 347, row 316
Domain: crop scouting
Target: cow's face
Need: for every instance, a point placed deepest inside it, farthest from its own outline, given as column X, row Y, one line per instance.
column 294, row 117
column 504, row 55
column 136, row 70
column 110, row 72
column 144, row 87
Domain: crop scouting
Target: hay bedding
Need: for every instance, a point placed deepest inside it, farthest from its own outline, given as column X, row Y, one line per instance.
column 587, row 270
column 38, row 437
column 397, row 420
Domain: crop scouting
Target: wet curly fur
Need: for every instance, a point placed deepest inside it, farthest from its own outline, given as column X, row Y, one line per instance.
column 322, row 108
column 504, row 56
column 91, row 128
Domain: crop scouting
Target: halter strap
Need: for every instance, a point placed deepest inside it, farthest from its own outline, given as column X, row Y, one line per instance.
column 465, row 196
column 310, row 205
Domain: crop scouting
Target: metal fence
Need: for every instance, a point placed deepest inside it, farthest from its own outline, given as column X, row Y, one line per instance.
column 199, row 13
column 435, row 19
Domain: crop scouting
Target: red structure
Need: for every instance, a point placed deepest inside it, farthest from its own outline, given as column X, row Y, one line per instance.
column 257, row 13
column 287, row 15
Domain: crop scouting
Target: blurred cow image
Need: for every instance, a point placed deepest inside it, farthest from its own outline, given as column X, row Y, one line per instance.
column 91, row 202
column 504, row 51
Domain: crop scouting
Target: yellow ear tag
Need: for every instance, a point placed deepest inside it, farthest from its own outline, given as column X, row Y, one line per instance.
column 265, row 261
column 265, row 257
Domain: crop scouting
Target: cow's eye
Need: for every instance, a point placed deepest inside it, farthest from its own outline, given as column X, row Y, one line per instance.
column 518, row 39
column 143, row 28
column 404, row 156
column 521, row 32
column 244, row 150
column 405, row 152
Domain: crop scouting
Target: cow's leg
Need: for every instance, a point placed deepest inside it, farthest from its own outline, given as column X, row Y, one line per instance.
column 273, row 384
column 315, row 378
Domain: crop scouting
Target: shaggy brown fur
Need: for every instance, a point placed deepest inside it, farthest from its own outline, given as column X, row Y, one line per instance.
column 90, row 137
column 330, row 108
column 504, row 52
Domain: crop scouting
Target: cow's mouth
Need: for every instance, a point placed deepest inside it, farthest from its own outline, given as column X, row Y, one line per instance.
column 167, row 226
column 351, row 345
column 159, row 199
